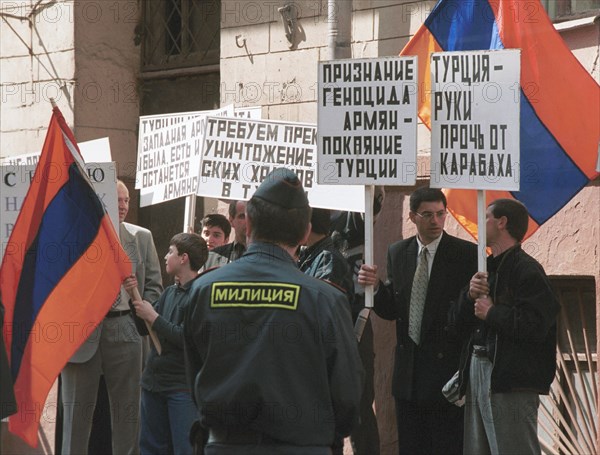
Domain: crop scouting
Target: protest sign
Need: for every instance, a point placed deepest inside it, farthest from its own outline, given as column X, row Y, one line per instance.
column 94, row 151
column 17, row 178
column 367, row 121
column 254, row 112
column 239, row 153
column 169, row 154
column 475, row 125
column 475, row 112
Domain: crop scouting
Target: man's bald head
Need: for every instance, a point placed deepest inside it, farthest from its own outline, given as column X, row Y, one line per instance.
column 122, row 200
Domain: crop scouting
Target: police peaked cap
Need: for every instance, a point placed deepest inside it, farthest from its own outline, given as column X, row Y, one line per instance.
column 283, row 188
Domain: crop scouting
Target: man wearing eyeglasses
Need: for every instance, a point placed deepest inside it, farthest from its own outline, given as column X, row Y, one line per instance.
column 425, row 274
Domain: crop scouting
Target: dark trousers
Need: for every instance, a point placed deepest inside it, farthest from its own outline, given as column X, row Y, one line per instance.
column 365, row 437
column 101, row 435
column 429, row 428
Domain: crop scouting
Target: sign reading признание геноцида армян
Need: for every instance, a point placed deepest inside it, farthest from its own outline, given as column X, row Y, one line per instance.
column 367, row 124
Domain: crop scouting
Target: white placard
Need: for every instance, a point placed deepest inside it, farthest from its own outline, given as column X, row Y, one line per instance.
column 169, row 154
column 25, row 159
column 94, row 151
column 16, row 180
column 239, row 153
column 367, row 121
column 168, row 161
column 254, row 112
column 475, row 113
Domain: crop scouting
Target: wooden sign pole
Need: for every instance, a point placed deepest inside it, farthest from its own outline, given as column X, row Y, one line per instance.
column 135, row 295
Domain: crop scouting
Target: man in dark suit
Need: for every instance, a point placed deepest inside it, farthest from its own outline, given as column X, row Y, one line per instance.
column 425, row 274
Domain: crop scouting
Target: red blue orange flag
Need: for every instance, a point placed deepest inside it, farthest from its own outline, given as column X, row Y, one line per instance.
column 62, row 269
column 560, row 101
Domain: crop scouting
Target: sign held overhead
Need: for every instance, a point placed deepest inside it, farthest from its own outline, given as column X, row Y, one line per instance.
column 367, row 125
column 239, row 153
column 169, row 155
column 475, row 113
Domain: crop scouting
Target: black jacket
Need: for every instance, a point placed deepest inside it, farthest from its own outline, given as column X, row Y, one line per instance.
column 272, row 350
column 520, row 329
column 224, row 254
column 166, row 372
column 421, row 371
column 323, row 260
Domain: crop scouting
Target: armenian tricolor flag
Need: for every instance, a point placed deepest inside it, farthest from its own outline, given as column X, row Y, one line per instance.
column 560, row 101
column 62, row 268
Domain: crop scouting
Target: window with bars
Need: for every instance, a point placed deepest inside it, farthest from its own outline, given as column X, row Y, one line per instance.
column 180, row 33
column 560, row 10
column 569, row 414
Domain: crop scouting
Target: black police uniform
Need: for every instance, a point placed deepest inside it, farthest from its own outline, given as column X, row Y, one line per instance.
column 270, row 351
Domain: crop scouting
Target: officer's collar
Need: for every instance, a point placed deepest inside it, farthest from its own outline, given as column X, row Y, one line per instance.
column 270, row 249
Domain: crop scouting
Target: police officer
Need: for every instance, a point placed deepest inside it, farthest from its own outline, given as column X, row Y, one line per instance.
column 270, row 351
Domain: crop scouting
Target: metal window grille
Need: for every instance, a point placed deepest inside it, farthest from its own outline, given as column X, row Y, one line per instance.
column 569, row 416
column 180, row 33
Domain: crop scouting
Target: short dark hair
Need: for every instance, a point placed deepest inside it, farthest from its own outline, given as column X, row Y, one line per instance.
column 233, row 209
column 517, row 217
column 218, row 220
column 321, row 221
column 193, row 245
column 425, row 194
column 274, row 224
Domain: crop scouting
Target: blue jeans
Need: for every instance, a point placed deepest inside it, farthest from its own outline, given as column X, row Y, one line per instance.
column 166, row 421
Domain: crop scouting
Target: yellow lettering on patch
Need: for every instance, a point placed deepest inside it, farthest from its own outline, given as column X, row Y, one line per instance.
column 254, row 295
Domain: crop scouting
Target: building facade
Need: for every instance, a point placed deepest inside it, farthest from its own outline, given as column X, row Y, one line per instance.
column 105, row 63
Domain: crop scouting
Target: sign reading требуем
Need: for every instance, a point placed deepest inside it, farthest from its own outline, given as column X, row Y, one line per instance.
column 475, row 111
column 239, row 153
column 367, row 111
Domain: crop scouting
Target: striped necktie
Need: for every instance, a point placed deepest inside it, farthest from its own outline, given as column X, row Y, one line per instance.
column 417, row 297
column 117, row 301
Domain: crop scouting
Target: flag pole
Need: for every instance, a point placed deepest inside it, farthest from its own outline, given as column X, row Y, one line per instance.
column 36, row 362
column 135, row 295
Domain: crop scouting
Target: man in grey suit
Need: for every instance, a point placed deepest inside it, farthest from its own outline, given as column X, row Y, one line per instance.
column 114, row 349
